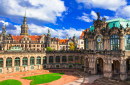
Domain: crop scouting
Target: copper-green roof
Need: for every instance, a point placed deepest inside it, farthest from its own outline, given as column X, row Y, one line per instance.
column 117, row 23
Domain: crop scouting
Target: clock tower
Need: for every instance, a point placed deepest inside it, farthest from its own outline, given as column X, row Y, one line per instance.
column 24, row 26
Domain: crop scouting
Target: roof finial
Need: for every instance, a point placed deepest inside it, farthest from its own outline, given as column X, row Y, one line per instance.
column 4, row 25
column 25, row 12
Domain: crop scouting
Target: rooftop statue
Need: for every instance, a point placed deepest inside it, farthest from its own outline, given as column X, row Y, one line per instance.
column 98, row 14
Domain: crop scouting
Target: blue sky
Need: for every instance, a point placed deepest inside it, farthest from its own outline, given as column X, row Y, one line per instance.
column 60, row 16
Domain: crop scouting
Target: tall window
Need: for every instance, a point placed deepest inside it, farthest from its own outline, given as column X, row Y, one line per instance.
column 25, row 61
column 86, row 44
column 17, row 61
column 31, row 60
column 82, row 60
column 51, row 59
column 99, row 43
column 114, row 42
column 64, row 59
column 1, row 62
column 44, row 60
column 57, row 59
column 127, row 42
column 77, row 61
column 9, row 62
column 70, row 59
column 38, row 60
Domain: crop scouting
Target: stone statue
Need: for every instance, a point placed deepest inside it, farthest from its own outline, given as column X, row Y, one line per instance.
column 98, row 14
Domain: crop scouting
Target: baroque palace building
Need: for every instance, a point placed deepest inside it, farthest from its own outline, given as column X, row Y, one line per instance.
column 106, row 50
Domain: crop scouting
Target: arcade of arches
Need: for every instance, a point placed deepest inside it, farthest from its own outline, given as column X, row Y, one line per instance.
column 109, row 66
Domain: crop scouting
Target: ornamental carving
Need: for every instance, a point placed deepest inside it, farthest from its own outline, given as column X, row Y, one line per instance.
column 127, row 31
column 114, row 31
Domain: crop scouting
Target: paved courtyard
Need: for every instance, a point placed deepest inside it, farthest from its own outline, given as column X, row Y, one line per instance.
column 66, row 78
column 84, row 81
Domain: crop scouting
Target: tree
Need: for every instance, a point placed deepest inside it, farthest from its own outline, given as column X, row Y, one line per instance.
column 71, row 46
column 49, row 49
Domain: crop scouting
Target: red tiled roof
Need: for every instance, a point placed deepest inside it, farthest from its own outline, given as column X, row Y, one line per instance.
column 33, row 37
column 83, row 33
column 63, row 40
column 17, row 38
column 55, row 38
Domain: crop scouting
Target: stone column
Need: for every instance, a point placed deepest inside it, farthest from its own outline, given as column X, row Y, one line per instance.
column 41, row 67
column 35, row 60
column 54, row 59
column 123, row 73
column 80, row 59
column 4, row 65
column 21, row 62
column 13, row 68
column 47, row 59
column 28, row 62
column 122, row 43
column 73, row 59
column 60, row 59
column 108, row 68
column 67, row 59
column 85, row 69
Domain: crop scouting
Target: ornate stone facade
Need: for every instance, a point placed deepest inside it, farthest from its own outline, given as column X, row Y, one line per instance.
column 107, row 48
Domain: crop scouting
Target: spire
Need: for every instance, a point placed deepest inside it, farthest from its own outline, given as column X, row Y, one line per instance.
column 48, row 31
column 4, row 29
column 25, row 12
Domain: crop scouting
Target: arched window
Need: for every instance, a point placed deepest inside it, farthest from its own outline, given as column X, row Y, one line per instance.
column 9, row 62
column 25, row 61
column 44, row 60
column 1, row 62
column 70, row 59
column 99, row 43
column 64, row 59
column 127, row 42
column 82, row 60
column 114, row 42
column 86, row 43
column 77, row 61
column 57, row 59
column 38, row 60
column 51, row 59
column 17, row 61
column 31, row 60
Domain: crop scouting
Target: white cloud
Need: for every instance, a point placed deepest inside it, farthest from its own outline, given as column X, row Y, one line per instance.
column 94, row 15
column 105, row 4
column 35, row 29
column 124, row 12
column 85, row 18
column 6, row 23
column 46, row 10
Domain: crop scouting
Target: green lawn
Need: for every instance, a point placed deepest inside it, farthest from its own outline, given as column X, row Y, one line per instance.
column 45, row 78
column 10, row 82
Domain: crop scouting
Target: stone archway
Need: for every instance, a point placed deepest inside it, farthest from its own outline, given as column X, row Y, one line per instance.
column 116, row 69
column 87, row 65
column 115, row 66
column 99, row 65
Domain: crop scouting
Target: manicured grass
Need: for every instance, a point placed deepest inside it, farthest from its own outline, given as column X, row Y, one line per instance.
column 10, row 82
column 45, row 78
